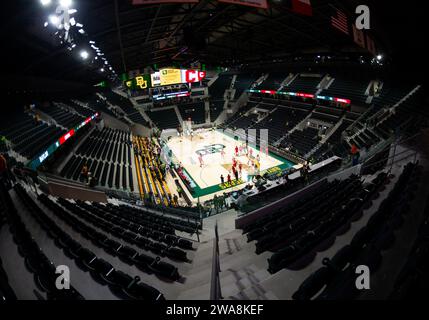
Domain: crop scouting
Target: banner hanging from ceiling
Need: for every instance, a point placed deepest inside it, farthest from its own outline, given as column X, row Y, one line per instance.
column 262, row 4
column 302, row 7
column 139, row 2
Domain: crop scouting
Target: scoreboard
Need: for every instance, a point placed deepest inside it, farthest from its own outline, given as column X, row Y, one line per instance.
column 170, row 76
column 165, row 77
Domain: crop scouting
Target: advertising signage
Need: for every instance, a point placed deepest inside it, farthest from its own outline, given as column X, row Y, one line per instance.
column 139, row 83
column 302, row 95
column 36, row 162
column 170, row 76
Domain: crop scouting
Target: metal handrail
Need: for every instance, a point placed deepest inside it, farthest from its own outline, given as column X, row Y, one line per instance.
column 215, row 290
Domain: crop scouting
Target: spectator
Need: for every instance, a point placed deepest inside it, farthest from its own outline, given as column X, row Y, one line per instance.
column 3, row 169
column 222, row 179
column 92, row 180
column 179, row 191
column 3, row 143
column 236, row 174
column 216, row 203
column 304, row 171
column 84, row 172
column 37, row 118
column 224, row 201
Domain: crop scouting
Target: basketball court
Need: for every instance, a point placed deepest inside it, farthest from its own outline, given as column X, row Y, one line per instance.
column 217, row 151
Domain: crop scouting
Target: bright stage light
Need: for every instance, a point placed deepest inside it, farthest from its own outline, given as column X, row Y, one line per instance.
column 54, row 20
column 102, row 69
column 45, row 2
column 65, row 3
column 84, row 54
column 379, row 57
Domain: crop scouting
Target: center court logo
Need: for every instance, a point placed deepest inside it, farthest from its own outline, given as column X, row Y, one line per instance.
column 211, row 149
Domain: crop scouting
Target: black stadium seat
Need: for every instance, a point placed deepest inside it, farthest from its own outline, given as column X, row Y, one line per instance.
column 100, row 142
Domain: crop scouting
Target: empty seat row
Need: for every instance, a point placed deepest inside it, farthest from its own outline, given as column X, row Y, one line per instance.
column 114, row 248
column 336, row 279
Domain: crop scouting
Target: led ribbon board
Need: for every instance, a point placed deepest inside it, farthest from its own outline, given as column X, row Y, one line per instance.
column 163, row 96
column 36, row 162
column 303, row 95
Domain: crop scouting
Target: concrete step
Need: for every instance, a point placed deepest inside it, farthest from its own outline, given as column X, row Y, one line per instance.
column 256, row 292
column 232, row 282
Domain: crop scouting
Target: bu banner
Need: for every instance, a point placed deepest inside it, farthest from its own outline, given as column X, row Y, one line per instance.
column 138, row 2
column 251, row 3
column 141, row 82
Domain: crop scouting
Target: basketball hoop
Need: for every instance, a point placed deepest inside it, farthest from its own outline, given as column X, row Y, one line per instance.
column 187, row 127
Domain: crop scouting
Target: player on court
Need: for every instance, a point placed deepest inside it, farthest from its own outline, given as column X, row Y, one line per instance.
column 236, row 151
column 201, row 160
column 249, row 156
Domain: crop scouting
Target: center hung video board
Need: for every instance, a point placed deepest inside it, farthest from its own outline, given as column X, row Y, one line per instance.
column 165, row 77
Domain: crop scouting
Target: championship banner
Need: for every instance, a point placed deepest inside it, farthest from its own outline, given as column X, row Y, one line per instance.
column 302, row 7
column 139, row 2
column 358, row 37
column 262, row 4
column 370, row 45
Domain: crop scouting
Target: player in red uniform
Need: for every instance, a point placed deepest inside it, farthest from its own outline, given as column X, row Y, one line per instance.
column 200, row 158
column 222, row 153
column 236, row 151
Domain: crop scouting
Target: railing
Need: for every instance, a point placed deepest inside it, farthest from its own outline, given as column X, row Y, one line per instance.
column 215, row 290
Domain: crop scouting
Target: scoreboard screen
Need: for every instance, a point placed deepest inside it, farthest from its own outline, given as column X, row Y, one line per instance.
column 165, row 77
column 170, row 76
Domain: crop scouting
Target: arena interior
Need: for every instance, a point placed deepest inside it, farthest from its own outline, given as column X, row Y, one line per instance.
column 213, row 150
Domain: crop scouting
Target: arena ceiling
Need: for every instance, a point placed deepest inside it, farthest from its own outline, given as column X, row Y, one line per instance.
column 209, row 31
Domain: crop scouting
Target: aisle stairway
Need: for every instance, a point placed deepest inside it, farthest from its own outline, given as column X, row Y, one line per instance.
column 242, row 270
